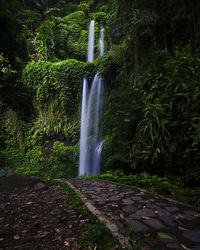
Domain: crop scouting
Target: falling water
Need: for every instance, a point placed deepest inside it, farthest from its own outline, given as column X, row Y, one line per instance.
column 101, row 41
column 83, row 134
column 91, row 114
column 91, row 43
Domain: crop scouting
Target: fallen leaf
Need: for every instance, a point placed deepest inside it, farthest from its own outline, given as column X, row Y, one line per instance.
column 144, row 206
column 95, row 248
column 146, row 218
column 89, row 248
column 183, row 229
column 164, row 236
column 58, row 238
column 28, row 203
column 184, row 247
column 16, row 237
column 41, row 234
column 67, row 244
column 33, row 217
column 179, row 216
column 150, row 200
column 6, row 225
column 146, row 235
column 156, row 212
column 122, row 216
column 70, row 226
column 196, row 215
column 1, row 240
column 113, row 205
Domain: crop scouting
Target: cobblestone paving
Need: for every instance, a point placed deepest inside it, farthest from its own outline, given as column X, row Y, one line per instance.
column 160, row 223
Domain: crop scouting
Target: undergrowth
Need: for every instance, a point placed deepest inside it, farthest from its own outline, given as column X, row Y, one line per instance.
column 95, row 235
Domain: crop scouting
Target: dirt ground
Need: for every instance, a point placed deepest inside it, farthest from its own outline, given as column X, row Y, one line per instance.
column 36, row 216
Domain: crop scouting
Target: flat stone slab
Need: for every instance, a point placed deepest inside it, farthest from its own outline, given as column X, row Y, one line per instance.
column 193, row 235
column 146, row 212
column 155, row 224
column 173, row 246
column 172, row 209
column 168, row 221
column 129, row 209
column 137, row 226
column 128, row 201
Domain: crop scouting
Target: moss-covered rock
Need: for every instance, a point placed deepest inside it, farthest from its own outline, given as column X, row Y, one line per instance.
column 63, row 79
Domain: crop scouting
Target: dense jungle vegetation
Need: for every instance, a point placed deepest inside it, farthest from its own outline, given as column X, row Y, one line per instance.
column 151, row 71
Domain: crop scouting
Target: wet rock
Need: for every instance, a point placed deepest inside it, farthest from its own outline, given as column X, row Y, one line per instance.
column 193, row 235
column 156, row 224
column 172, row 209
column 188, row 217
column 101, row 202
column 142, row 202
column 115, row 217
column 140, row 194
column 196, row 248
column 137, row 226
column 89, row 191
column 173, row 246
column 146, row 212
column 162, row 204
column 152, row 206
column 163, row 212
column 136, row 198
column 134, row 217
column 189, row 212
column 129, row 209
column 128, row 201
column 39, row 185
column 168, row 220
column 114, row 198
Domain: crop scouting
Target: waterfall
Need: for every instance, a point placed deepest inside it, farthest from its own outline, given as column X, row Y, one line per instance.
column 90, row 57
column 101, row 41
column 83, row 133
column 91, row 114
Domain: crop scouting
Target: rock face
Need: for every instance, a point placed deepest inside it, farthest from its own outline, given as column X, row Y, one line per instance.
column 17, row 181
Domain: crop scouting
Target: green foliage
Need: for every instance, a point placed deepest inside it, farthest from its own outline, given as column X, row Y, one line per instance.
column 154, row 131
column 28, row 19
column 100, row 17
column 72, row 35
column 63, row 78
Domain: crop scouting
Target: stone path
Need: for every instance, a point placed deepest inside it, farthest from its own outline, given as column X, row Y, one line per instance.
column 159, row 222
